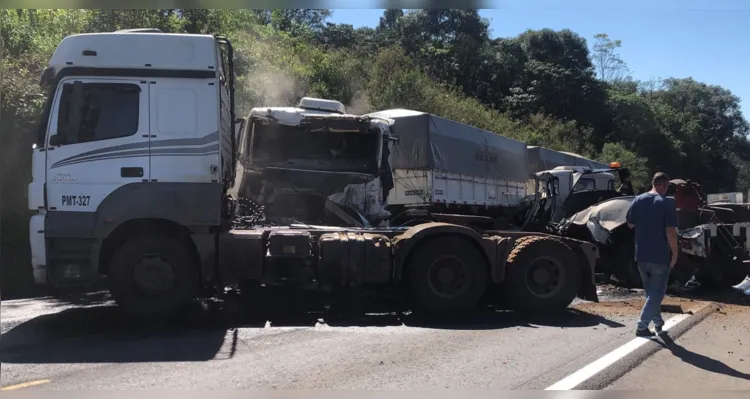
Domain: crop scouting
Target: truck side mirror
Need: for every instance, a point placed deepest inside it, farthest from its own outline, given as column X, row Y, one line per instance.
column 56, row 140
column 239, row 124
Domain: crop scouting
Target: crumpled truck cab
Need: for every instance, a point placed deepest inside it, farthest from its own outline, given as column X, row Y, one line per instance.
column 292, row 160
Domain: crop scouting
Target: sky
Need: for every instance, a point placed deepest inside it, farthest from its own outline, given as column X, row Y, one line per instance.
column 706, row 40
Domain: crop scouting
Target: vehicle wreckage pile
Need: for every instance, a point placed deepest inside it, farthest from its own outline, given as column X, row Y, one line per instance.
column 402, row 162
column 713, row 240
column 302, row 198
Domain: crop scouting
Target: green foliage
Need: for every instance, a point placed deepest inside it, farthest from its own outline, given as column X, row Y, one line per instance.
column 540, row 87
column 639, row 172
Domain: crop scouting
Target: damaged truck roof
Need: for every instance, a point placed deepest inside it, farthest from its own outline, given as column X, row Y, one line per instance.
column 294, row 116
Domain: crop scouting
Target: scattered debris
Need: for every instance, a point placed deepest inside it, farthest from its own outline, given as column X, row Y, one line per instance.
column 248, row 214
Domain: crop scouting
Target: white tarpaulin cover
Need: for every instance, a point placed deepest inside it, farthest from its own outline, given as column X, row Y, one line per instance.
column 431, row 142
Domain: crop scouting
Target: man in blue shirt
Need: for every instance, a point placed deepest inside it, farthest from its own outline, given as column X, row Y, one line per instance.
column 654, row 218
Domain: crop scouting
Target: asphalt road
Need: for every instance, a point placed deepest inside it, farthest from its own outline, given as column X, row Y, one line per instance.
column 87, row 345
column 713, row 355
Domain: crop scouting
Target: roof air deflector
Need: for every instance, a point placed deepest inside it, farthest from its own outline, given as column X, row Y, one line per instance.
column 139, row 30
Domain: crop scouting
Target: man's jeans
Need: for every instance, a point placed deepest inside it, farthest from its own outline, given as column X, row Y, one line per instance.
column 655, row 280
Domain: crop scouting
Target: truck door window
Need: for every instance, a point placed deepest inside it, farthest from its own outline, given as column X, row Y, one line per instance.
column 108, row 111
column 585, row 184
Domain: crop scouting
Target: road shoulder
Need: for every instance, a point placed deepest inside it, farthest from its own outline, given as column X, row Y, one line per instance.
column 618, row 362
column 713, row 355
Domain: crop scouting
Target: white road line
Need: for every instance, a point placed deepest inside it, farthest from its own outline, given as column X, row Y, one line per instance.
column 575, row 379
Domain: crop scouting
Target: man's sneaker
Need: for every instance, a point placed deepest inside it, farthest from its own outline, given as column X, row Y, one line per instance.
column 644, row 333
column 659, row 330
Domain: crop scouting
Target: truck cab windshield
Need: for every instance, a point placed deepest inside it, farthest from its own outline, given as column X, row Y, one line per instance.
column 297, row 147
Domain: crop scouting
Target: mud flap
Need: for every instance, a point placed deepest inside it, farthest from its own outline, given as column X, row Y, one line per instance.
column 588, row 255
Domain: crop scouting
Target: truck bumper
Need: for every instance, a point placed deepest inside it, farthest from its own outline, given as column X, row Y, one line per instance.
column 588, row 290
column 61, row 262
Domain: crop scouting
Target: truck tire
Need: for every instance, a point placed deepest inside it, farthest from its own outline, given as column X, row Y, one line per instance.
column 153, row 276
column 448, row 277
column 542, row 274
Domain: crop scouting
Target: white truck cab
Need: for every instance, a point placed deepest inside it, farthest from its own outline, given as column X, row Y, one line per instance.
column 557, row 185
column 296, row 158
column 136, row 140
column 574, row 179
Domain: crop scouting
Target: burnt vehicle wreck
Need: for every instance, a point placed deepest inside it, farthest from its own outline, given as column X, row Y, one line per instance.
column 712, row 252
column 313, row 164
column 565, row 191
column 309, row 209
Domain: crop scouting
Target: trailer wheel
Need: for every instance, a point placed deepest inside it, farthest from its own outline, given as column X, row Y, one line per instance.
column 448, row 277
column 153, row 276
column 542, row 274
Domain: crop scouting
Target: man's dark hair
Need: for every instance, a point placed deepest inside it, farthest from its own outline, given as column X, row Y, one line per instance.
column 660, row 179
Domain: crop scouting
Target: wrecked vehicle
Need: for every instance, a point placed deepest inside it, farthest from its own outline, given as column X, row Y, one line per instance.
column 168, row 222
column 292, row 161
column 710, row 250
column 565, row 190
column 714, row 237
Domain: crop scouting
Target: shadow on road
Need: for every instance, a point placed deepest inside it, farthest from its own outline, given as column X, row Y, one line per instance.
column 100, row 334
column 491, row 318
column 729, row 296
column 701, row 361
column 91, row 298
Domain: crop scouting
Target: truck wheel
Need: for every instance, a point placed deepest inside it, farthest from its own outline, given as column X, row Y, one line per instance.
column 153, row 276
column 542, row 274
column 448, row 277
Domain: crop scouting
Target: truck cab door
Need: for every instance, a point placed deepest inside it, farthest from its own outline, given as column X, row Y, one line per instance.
column 98, row 141
column 185, row 131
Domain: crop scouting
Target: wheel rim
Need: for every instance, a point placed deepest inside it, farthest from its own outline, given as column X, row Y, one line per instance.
column 449, row 277
column 545, row 277
column 154, row 274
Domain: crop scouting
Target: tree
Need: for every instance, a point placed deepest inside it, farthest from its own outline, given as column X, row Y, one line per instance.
column 337, row 35
column 300, row 22
column 388, row 30
column 447, row 43
column 639, row 173
column 390, row 18
column 707, row 123
column 609, row 65
column 557, row 79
